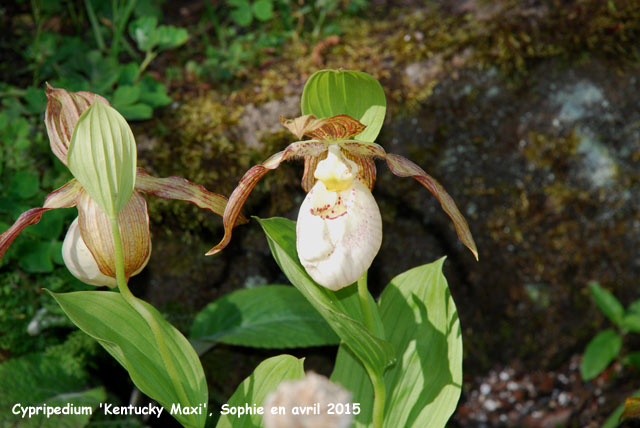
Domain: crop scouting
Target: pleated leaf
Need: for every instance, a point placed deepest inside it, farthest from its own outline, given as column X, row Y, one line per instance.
column 125, row 334
column 254, row 389
column 423, row 387
column 328, row 93
column 274, row 316
column 102, row 157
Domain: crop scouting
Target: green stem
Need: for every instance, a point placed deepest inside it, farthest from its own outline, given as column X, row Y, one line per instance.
column 379, row 389
column 143, row 311
column 120, row 23
column 363, row 293
column 379, row 398
column 149, row 56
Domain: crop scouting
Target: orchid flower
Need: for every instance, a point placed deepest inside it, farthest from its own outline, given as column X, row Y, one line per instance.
column 87, row 249
column 339, row 229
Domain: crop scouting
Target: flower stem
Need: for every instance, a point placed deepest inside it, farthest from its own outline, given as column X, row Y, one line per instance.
column 144, row 312
column 379, row 389
column 363, row 292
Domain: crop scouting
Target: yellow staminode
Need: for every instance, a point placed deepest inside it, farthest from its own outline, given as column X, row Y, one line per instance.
column 336, row 172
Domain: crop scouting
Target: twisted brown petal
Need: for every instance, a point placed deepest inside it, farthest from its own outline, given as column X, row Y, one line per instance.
column 183, row 190
column 64, row 197
column 302, row 125
column 95, row 229
column 251, row 178
column 62, row 114
column 403, row 167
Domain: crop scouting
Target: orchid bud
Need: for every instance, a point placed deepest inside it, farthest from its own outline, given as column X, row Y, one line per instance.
column 81, row 263
column 102, row 157
column 339, row 229
column 314, row 392
column 63, row 111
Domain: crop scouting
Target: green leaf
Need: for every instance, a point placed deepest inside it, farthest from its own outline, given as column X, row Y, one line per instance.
column 137, row 111
column 102, row 157
column 275, row 316
column 241, row 14
column 423, row 388
column 631, row 408
column 34, row 256
column 634, row 307
column 631, row 322
column 154, row 93
column 171, row 37
column 254, row 389
column 34, row 380
column 608, row 304
column 50, row 225
column 375, row 353
column 125, row 95
column 632, row 358
column 263, row 10
column 143, row 31
column 128, row 74
column 599, row 353
column 24, row 184
column 125, row 334
column 331, row 92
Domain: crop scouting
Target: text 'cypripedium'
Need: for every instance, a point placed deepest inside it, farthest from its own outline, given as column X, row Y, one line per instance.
column 339, row 229
column 88, row 248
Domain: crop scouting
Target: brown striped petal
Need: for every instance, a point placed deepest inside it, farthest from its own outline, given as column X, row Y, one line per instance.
column 95, row 229
column 340, row 127
column 251, row 178
column 63, row 111
column 183, row 190
column 403, row 167
column 64, row 197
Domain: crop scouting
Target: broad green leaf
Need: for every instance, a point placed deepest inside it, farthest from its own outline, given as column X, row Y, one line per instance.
column 254, row 389
column 171, row 37
column 599, row 353
column 631, row 322
column 24, row 184
column 263, row 10
column 137, row 111
column 608, row 304
column 331, row 92
column 375, row 353
column 125, row 95
column 423, row 387
column 102, row 157
column 125, row 334
column 128, row 74
column 274, row 316
column 33, row 380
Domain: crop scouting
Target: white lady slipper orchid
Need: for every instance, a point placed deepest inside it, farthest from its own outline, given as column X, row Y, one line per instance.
column 88, row 250
column 339, row 228
column 337, row 247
